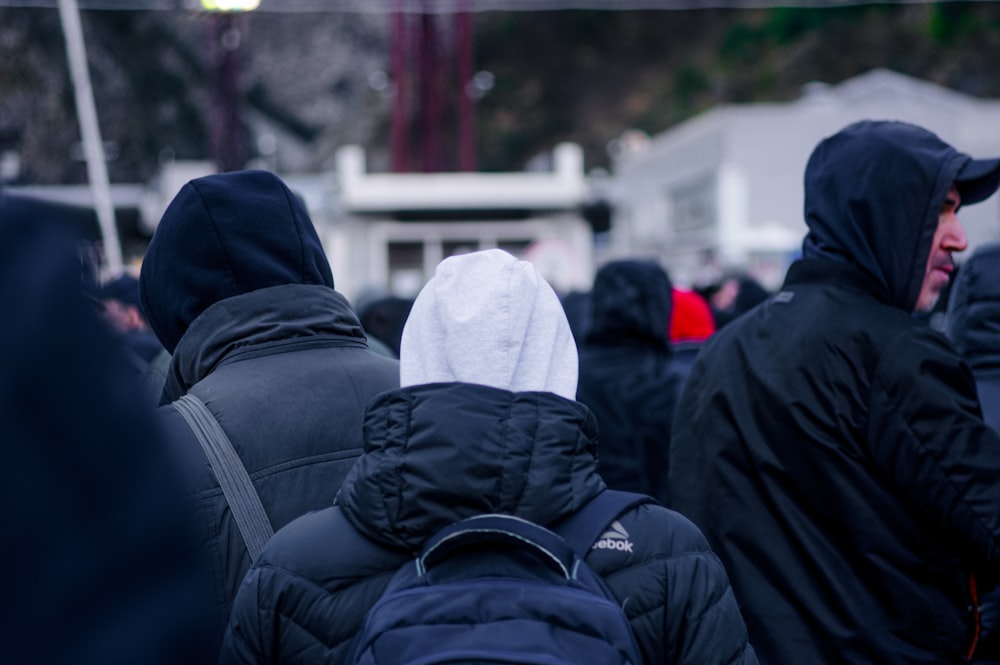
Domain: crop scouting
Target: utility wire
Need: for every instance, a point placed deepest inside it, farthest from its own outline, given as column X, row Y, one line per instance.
column 452, row 6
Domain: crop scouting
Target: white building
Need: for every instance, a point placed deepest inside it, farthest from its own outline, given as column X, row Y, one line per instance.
column 388, row 231
column 724, row 189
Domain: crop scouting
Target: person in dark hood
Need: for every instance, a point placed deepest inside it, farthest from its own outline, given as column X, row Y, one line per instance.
column 237, row 288
column 122, row 309
column 832, row 446
column 100, row 563
column 485, row 422
column 734, row 295
column 383, row 318
column 576, row 305
column 973, row 324
column 627, row 377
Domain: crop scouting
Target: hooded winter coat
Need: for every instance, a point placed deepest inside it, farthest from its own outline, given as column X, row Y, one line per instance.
column 831, row 445
column 974, row 325
column 485, row 422
column 627, row 378
column 236, row 285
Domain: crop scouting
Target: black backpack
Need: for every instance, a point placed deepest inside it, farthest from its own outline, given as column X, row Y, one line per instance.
column 500, row 589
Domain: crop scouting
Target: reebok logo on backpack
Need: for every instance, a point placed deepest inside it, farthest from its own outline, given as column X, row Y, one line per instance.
column 615, row 538
column 500, row 589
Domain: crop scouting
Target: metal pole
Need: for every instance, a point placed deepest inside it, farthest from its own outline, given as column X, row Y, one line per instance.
column 399, row 71
column 466, row 110
column 226, row 34
column 431, row 93
column 93, row 146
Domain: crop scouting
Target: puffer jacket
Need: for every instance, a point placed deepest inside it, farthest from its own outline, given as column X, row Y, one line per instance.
column 438, row 453
column 832, row 448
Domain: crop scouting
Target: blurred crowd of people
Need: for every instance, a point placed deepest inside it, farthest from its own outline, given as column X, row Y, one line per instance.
column 222, row 458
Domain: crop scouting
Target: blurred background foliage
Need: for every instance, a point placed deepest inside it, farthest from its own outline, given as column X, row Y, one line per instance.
column 582, row 76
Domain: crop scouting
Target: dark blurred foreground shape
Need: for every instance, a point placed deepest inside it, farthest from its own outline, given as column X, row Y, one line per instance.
column 99, row 565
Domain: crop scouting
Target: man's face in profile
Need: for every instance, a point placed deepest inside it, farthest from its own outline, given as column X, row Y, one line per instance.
column 948, row 238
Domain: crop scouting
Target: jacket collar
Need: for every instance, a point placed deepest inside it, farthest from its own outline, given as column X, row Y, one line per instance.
column 438, row 453
column 258, row 321
column 825, row 271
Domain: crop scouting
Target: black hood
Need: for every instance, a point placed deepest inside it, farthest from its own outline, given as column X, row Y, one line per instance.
column 873, row 193
column 630, row 304
column 222, row 236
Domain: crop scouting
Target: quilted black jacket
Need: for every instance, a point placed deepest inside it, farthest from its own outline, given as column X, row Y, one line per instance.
column 438, row 453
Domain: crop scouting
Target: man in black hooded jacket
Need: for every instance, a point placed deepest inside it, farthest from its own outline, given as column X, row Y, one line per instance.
column 237, row 287
column 832, row 446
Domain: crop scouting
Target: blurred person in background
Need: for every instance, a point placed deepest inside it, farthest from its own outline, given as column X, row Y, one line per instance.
column 383, row 317
column 735, row 294
column 122, row 309
column 627, row 377
column 576, row 306
column 691, row 324
column 973, row 325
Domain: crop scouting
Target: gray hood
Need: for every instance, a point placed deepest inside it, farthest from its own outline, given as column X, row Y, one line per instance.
column 490, row 319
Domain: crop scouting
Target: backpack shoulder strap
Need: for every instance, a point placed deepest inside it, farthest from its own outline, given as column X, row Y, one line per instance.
column 582, row 529
column 248, row 511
